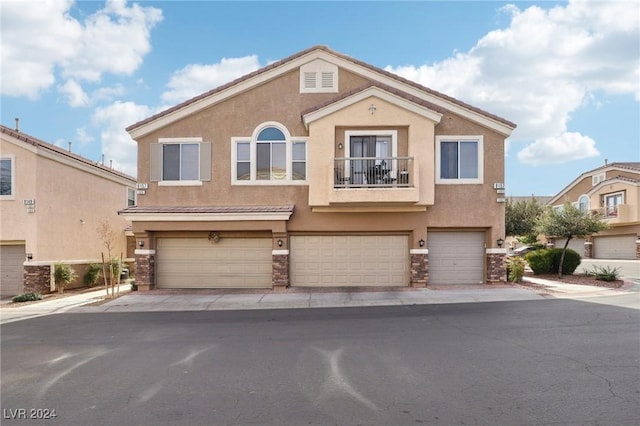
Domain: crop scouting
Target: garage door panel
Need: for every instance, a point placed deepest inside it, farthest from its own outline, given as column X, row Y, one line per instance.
column 615, row 247
column 200, row 263
column 456, row 257
column 349, row 260
column 11, row 270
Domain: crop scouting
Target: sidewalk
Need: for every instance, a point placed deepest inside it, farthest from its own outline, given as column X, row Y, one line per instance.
column 156, row 301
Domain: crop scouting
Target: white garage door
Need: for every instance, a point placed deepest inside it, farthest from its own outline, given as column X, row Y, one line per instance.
column 615, row 247
column 456, row 257
column 200, row 263
column 575, row 244
column 11, row 270
column 349, row 260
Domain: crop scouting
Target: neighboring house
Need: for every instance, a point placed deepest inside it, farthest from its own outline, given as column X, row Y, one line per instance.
column 52, row 202
column 319, row 170
column 612, row 190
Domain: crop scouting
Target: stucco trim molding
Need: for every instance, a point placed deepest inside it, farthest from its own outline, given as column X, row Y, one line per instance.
column 279, row 252
column 145, row 252
column 205, row 217
column 419, row 251
column 496, row 251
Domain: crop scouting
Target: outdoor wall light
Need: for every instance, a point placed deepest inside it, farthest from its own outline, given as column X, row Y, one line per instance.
column 340, row 146
column 82, row 222
column 500, row 242
column 421, row 242
column 140, row 243
column 280, row 243
column 29, row 256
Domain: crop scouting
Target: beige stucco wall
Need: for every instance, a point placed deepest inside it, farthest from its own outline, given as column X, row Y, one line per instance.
column 71, row 200
column 443, row 206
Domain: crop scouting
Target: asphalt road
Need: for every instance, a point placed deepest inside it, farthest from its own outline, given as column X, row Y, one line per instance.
column 506, row 363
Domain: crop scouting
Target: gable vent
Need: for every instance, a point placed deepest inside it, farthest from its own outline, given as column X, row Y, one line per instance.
column 309, row 80
column 327, row 80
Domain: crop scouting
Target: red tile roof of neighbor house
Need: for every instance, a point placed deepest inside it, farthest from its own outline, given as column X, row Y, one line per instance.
column 332, row 52
column 209, row 209
column 45, row 145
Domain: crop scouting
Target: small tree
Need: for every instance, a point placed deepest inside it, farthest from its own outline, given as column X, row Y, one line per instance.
column 108, row 236
column 63, row 275
column 520, row 219
column 568, row 222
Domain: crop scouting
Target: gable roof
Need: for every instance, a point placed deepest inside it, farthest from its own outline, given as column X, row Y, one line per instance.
column 59, row 152
column 623, row 166
column 392, row 81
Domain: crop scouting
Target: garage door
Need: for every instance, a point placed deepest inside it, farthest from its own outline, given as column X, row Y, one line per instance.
column 200, row 263
column 456, row 257
column 11, row 270
column 615, row 247
column 349, row 260
column 575, row 244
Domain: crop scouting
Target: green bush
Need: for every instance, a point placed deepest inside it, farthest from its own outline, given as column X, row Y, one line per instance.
column 27, row 297
column 515, row 269
column 571, row 260
column 94, row 270
column 134, row 286
column 540, row 261
column 604, row 273
column 63, row 275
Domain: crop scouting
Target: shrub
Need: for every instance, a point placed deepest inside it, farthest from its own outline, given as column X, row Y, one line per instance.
column 540, row 261
column 93, row 274
column 515, row 269
column 27, row 297
column 604, row 273
column 134, row 286
column 571, row 260
column 63, row 275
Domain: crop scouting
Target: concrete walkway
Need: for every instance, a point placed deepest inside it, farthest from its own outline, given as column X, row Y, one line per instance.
column 156, row 301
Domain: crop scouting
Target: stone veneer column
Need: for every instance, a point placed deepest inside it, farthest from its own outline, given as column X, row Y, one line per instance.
column 37, row 279
column 419, row 267
column 280, row 269
column 145, row 269
column 588, row 248
column 496, row 266
column 638, row 248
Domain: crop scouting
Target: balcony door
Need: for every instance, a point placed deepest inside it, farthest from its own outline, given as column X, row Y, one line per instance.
column 368, row 152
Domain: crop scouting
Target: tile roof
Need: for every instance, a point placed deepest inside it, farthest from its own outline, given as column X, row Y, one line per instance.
column 332, row 52
column 60, row 151
column 209, row 209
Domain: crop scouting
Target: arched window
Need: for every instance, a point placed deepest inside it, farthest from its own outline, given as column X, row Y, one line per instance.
column 270, row 156
column 583, row 203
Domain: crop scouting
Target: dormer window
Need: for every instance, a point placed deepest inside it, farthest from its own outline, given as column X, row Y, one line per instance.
column 318, row 77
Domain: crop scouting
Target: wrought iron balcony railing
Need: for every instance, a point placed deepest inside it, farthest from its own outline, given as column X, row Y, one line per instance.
column 373, row 172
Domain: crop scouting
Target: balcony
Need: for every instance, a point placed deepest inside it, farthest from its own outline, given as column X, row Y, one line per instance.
column 620, row 213
column 375, row 181
column 373, row 172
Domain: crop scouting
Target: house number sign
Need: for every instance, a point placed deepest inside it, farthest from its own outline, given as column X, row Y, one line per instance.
column 31, row 205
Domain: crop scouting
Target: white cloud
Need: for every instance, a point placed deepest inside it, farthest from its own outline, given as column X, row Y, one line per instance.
column 117, row 145
column 557, row 150
column 544, row 66
column 195, row 79
column 76, row 97
column 82, row 137
column 41, row 40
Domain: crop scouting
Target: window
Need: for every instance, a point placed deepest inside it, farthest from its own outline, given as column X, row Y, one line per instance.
column 459, row 159
column 131, row 197
column 583, row 203
column 7, row 178
column 180, row 161
column 269, row 157
column 611, row 203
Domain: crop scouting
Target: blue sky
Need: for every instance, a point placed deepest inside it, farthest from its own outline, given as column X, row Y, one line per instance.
column 568, row 73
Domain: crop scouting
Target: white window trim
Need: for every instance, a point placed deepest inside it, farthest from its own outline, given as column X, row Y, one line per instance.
column 457, row 138
column 253, row 143
column 577, row 204
column 181, row 141
column 135, row 196
column 394, row 144
column 612, row 195
column 11, row 196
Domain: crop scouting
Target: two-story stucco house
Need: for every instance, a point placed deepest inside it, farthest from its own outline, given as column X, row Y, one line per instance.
column 51, row 203
column 319, row 170
column 614, row 191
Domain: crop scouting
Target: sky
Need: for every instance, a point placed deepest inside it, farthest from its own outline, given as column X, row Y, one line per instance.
column 567, row 73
